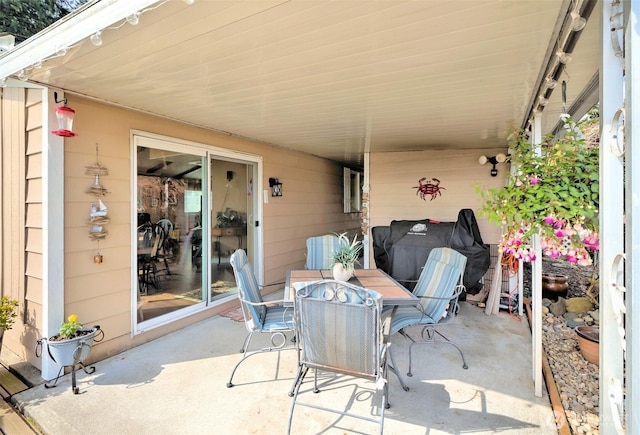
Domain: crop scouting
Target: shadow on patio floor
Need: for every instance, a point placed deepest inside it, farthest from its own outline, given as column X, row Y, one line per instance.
column 177, row 384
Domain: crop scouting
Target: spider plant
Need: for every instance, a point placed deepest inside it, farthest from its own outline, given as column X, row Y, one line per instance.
column 349, row 251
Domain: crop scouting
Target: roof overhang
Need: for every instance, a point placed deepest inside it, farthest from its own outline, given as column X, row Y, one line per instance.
column 334, row 79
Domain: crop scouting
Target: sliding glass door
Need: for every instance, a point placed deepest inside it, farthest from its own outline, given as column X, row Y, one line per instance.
column 194, row 207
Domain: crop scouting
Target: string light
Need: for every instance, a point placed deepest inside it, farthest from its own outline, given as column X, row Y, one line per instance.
column 134, row 19
column 563, row 57
column 95, row 38
column 551, row 83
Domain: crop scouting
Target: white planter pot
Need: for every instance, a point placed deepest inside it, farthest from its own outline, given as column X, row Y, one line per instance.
column 341, row 273
column 73, row 350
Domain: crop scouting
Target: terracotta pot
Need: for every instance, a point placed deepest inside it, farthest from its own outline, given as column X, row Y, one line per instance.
column 554, row 286
column 589, row 342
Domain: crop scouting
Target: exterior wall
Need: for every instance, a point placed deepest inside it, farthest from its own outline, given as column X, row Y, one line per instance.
column 101, row 293
column 21, row 217
column 393, row 175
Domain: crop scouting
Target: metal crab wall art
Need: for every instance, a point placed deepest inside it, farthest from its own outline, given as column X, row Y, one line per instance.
column 431, row 187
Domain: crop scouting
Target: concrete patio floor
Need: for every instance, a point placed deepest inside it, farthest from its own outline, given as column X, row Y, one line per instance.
column 177, row 384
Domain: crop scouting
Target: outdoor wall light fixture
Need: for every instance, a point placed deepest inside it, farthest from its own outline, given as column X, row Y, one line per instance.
column 65, row 118
column 494, row 160
column 276, row 187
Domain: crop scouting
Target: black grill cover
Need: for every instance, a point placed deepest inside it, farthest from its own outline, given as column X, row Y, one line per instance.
column 402, row 248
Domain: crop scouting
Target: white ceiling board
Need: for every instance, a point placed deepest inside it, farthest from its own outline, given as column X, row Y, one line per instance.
column 317, row 75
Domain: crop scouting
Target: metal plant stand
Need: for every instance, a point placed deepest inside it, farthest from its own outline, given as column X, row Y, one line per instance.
column 71, row 353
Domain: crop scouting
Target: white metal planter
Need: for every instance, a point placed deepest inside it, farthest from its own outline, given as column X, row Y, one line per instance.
column 71, row 352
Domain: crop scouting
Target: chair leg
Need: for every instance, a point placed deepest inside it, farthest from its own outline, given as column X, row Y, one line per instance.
column 245, row 346
column 301, row 374
column 246, row 354
column 297, row 381
column 385, row 396
column 429, row 337
column 464, row 363
column 393, row 366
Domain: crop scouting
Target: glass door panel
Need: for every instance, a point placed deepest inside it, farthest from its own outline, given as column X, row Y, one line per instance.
column 231, row 208
column 170, row 203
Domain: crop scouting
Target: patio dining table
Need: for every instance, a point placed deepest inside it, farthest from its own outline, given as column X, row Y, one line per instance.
column 393, row 293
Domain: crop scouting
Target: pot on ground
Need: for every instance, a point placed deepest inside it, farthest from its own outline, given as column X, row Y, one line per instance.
column 589, row 342
column 554, row 286
column 70, row 351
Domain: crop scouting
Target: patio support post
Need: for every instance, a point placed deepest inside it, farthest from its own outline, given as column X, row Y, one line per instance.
column 632, row 205
column 611, row 230
column 536, row 283
column 366, row 206
column 53, row 228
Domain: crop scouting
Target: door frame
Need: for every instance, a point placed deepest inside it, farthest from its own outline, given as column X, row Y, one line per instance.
column 210, row 152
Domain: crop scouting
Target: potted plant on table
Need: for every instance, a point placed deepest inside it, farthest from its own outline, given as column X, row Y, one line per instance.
column 346, row 257
column 8, row 314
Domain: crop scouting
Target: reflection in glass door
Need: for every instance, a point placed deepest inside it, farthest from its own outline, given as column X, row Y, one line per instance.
column 170, row 203
column 231, row 210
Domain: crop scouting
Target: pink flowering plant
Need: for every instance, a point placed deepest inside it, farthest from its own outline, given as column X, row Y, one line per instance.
column 554, row 192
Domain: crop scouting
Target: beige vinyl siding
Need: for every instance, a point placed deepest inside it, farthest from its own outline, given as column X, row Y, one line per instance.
column 21, row 256
column 394, row 175
column 101, row 293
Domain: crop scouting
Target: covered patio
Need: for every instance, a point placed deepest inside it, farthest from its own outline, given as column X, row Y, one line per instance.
column 177, row 383
column 398, row 90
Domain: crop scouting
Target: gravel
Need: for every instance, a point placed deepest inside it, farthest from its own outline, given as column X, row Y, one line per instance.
column 577, row 379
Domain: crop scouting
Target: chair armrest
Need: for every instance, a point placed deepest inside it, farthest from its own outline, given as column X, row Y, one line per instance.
column 458, row 290
column 264, row 303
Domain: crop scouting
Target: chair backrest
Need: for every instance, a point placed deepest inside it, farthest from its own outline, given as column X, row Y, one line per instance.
column 160, row 238
column 319, row 250
column 441, row 275
column 339, row 329
column 248, row 290
column 146, row 237
column 167, row 226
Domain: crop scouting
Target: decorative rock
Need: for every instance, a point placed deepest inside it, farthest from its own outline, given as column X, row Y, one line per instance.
column 574, row 323
column 579, row 305
column 545, row 310
column 558, row 308
column 576, row 379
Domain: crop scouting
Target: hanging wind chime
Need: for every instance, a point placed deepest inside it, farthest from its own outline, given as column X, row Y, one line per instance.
column 98, row 214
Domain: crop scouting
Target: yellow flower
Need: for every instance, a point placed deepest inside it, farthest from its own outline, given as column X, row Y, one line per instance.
column 72, row 318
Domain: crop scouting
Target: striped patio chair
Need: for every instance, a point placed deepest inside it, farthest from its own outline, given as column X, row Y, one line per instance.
column 319, row 250
column 438, row 287
column 269, row 317
column 340, row 331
